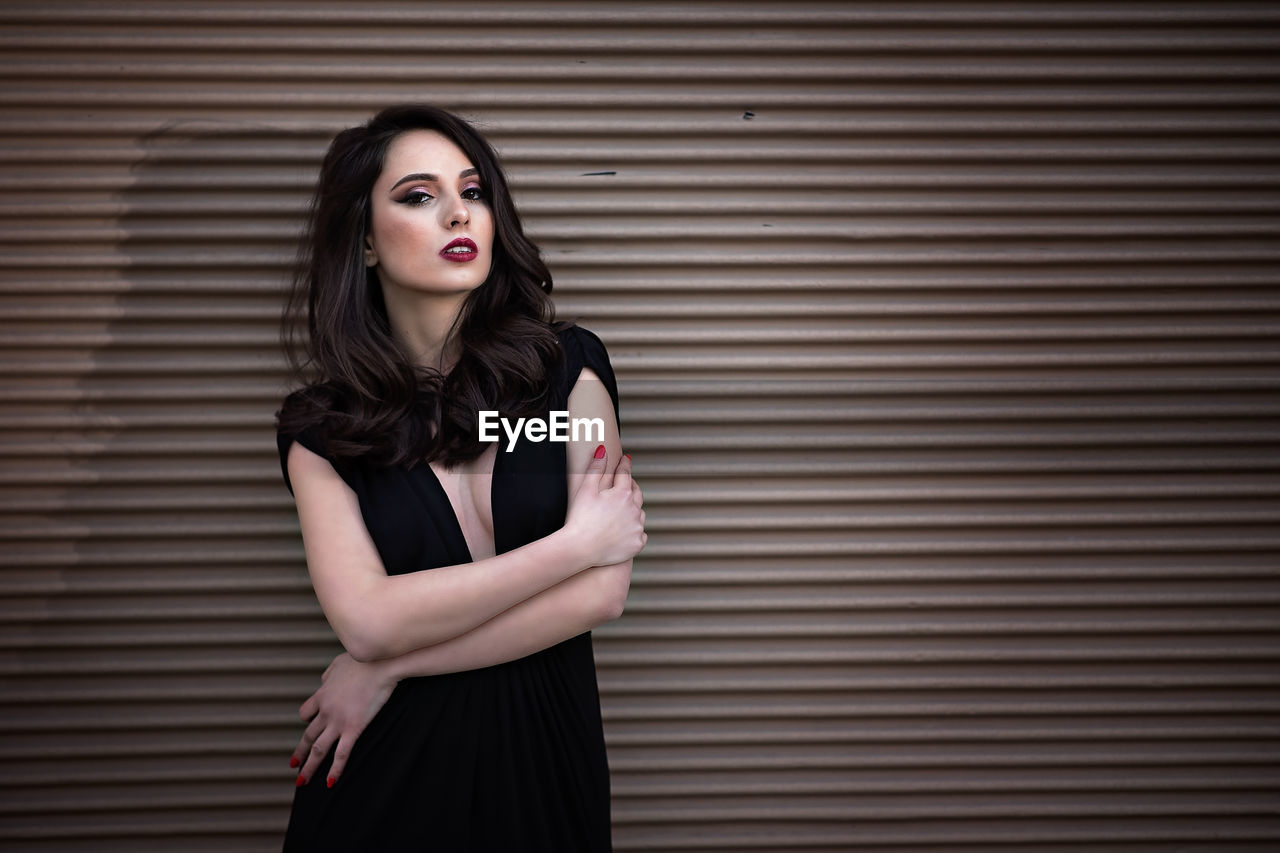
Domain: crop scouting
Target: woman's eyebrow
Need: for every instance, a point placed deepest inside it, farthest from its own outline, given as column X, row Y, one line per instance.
column 427, row 176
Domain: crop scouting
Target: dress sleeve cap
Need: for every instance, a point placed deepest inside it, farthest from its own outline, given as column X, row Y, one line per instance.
column 583, row 348
column 312, row 440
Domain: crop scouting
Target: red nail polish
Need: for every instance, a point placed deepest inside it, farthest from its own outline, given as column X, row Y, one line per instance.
column 300, row 781
column 600, row 452
column 628, row 455
column 293, row 761
column 329, row 782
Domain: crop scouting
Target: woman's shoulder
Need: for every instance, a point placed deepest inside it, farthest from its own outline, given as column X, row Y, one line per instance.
column 583, row 348
column 300, row 419
column 304, row 407
column 570, row 331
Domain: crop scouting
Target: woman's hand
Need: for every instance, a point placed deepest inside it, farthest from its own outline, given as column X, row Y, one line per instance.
column 605, row 513
column 350, row 694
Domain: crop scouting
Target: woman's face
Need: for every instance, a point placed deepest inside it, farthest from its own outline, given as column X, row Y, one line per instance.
column 431, row 231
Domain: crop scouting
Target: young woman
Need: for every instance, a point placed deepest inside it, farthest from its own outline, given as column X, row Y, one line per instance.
column 462, row 576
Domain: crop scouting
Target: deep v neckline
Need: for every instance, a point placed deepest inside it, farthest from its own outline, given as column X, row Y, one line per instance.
column 453, row 510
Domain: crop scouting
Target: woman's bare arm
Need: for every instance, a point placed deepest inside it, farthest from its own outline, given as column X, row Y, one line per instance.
column 577, row 604
column 377, row 615
column 352, row 692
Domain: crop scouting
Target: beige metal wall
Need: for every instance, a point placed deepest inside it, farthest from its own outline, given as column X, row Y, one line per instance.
column 947, row 340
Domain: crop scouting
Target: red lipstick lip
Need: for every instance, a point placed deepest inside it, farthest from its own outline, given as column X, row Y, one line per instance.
column 470, row 254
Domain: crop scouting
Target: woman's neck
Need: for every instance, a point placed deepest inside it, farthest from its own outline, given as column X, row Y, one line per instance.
column 423, row 322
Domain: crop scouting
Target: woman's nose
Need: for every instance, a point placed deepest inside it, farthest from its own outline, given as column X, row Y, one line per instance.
column 457, row 213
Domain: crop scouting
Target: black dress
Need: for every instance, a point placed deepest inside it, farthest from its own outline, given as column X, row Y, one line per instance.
column 507, row 758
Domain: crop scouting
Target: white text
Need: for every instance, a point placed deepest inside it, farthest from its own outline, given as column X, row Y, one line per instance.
column 560, row 428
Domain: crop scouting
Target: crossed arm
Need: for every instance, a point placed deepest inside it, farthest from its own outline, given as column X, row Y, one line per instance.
column 460, row 617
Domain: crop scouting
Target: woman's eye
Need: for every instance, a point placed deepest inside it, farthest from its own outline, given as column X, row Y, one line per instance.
column 416, row 197
column 473, row 194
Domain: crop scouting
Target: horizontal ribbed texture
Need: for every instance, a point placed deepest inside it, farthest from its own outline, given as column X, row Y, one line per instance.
column 947, row 343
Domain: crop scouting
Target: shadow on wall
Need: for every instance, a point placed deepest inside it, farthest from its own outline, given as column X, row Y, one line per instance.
column 185, row 630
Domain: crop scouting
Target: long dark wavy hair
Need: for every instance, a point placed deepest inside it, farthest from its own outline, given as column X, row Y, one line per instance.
column 363, row 393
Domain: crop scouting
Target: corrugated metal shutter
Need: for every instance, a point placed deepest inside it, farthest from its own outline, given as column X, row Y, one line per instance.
column 947, row 339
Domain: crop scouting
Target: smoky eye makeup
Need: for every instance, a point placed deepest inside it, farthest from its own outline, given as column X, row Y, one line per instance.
column 415, row 196
column 418, row 195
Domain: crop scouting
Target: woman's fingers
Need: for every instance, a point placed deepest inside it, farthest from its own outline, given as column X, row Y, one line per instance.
column 320, row 747
column 607, row 520
column 306, row 712
column 622, row 476
column 305, row 750
column 594, row 474
column 338, row 711
column 598, row 465
column 636, row 494
column 315, row 745
column 340, row 756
